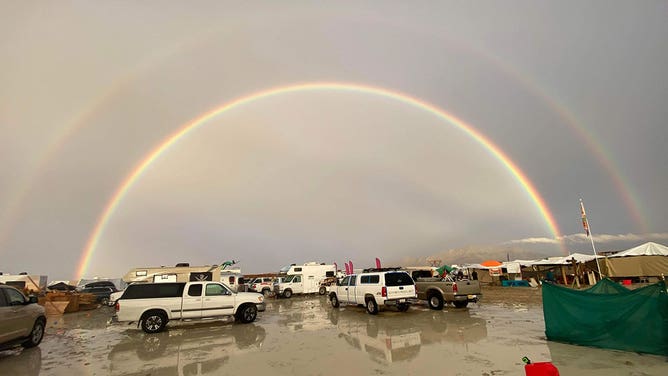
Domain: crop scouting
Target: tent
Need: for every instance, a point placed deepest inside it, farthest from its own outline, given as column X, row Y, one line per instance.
column 608, row 316
column 646, row 260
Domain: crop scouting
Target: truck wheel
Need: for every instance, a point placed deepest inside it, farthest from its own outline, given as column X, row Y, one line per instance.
column 247, row 313
column 371, row 306
column 266, row 292
column 322, row 290
column 334, row 300
column 461, row 303
column 153, row 321
column 287, row 293
column 36, row 334
column 435, row 301
column 403, row 307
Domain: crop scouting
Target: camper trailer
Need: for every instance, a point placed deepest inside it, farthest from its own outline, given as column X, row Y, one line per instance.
column 25, row 282
column 183, row 272
column 303, row 279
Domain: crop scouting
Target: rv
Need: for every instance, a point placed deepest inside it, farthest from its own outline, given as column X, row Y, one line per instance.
column 303, row 279
column 183, row 272
column 25, row 282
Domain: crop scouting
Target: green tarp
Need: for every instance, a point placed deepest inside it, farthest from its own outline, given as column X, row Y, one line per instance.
column 609, row 316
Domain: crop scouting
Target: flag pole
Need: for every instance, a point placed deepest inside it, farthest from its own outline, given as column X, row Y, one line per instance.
column 585, row 223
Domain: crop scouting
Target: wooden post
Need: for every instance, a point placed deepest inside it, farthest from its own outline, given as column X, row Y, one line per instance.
column 563, row 274
column 575, row 271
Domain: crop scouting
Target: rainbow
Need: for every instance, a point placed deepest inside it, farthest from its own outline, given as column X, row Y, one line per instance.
column 137, row 172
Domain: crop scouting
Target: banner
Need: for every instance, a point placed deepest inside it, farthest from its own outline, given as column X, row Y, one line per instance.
column 495, row 272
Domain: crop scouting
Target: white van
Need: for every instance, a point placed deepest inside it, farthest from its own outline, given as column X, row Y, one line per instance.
column 303, row 279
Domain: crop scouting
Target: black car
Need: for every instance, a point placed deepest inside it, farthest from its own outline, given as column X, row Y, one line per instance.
column 101, row 284
column 102, row 293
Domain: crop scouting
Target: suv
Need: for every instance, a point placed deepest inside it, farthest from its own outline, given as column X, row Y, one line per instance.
column 21, row 320
column 375, row 288
column 102, row 294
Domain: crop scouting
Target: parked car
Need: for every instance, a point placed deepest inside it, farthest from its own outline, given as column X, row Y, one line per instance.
column 374, row 289
column 102, row 294
column 22, row 321
column 109, row 284
column 153, row 305
column 438, row 291
column 262, row 285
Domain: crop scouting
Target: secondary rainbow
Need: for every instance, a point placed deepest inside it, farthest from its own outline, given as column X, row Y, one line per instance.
column 137, row 172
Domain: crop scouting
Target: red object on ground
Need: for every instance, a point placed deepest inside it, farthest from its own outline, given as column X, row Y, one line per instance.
column 626, row 282
column 541, row 369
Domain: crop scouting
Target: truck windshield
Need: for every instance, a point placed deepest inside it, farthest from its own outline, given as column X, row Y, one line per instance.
column 398, row 279
column 288, row 278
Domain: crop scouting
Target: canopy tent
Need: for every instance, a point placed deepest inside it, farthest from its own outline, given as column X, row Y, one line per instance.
column 647, row 249
column 646, row 260
column 608, row 317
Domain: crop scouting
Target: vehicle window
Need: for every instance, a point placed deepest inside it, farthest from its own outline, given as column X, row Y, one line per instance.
column 370, row 279
column 288, row 278
column 329, row 274
column 3, row 301
column 195, row 290
column 345, row 281
column 297, row 278
column 421, row 274
column 353, row 280
column 154, row 290
column 398, row 279
column 214, row 289
column 14, row 297
column 267, row 280
column 298, row 269
column 231, row 280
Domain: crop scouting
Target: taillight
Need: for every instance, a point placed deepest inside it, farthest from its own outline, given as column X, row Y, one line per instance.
column 117, row 306
column 384, row 292
column 454, row 288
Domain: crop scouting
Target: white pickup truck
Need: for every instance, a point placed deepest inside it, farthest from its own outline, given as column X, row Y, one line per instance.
column 153, row 305
column 374, row 288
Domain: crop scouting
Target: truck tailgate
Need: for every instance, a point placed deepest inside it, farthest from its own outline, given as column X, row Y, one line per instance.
column 397, row 292
column 468, row 287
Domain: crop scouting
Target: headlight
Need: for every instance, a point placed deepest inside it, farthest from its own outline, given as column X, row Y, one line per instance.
column 260, row 298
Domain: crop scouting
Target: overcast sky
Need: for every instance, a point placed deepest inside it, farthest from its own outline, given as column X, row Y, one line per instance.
column 575, row 93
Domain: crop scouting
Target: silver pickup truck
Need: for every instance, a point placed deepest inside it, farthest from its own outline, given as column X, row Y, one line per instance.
column 439, row 291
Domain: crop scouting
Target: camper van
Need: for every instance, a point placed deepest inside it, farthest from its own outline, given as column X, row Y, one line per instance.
column 303, row 279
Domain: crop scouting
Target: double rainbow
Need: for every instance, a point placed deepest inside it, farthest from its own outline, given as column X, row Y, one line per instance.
column 137, row 172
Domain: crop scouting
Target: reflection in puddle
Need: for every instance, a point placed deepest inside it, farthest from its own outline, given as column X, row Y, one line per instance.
column 19, row 361
column 198, row 349
column 394, row 337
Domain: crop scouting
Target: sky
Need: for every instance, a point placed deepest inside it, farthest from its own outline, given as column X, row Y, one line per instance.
column 378, row 158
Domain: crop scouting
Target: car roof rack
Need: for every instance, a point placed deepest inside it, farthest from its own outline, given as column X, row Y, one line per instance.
column 390, row 269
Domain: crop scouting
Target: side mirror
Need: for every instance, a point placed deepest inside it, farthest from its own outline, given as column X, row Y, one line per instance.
column 32, row 299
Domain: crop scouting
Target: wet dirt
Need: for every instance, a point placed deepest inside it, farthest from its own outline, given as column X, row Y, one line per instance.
column 305, row 336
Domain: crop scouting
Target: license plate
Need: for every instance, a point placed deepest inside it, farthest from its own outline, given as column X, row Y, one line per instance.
column 471, row 296
column 402, row 300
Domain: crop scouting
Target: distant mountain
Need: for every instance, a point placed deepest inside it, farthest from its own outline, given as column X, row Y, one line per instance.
column 476, row 254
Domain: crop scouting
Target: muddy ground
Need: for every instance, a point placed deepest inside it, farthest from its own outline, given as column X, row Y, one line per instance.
column 305, row 336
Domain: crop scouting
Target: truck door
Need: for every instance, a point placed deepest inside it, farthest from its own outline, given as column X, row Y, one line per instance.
column 342, row 289
column 297, row 285
column 352, row 289
column 192, row 302
column 217, row 301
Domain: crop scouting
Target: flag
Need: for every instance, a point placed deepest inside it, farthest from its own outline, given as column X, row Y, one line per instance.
column 585, row 224
column 377, row 263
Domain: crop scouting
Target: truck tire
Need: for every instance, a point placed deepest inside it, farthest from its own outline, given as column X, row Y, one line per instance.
column 461, row 303
column 247, row 313
column 334, row 300
column 403, row 307
column 36, row 334
column 287, row 293
column 435, row 301
column 371, row 306
column 266, row 292
column 322, row 290
column 153, row 321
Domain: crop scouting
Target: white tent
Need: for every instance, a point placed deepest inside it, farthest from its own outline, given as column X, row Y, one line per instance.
column 647, row 249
